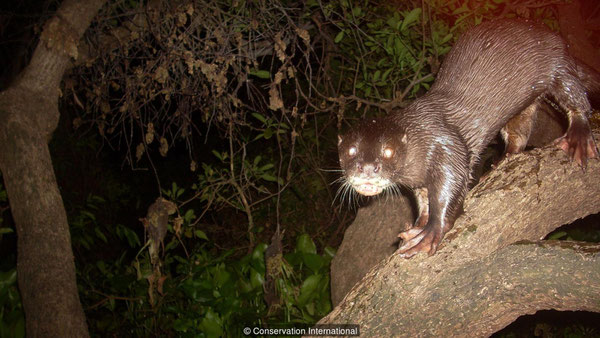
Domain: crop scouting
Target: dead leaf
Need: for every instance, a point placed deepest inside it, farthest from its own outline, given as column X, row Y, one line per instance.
column 139, row 151
column 275, row 101
column 164, row 147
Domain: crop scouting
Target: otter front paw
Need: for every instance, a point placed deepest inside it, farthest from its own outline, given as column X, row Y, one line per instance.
column 417, row 240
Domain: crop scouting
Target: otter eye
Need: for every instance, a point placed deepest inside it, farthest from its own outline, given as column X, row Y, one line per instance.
column 352, row 151
column 388, row 152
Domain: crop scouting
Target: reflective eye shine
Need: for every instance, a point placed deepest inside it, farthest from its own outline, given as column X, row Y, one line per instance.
column 388, row 152
column 352, row 151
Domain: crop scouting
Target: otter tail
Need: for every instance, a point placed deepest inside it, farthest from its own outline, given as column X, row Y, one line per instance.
column 591, row 81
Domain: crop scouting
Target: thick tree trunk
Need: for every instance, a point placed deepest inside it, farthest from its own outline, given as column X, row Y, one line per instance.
column 491, row 268
column 28, row 116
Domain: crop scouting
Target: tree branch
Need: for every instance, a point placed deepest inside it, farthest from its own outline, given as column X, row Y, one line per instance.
column 477, row 298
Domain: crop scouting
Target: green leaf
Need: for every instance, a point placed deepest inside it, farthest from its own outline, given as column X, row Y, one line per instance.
column 294, row 258
column 268, row 133
column 132, row 238
column 200, row 234
column 6, row 231
column 244, row 286
column 463, row 8
column 313, row 261
column 376, row 76
column 259, row 250
column 266, row 167
column 217, row 154
column 8, row 278
column 88, row 214
column 393, row 22
column 307, row 290
column 221, row 275
column 260, row 117
column 305, row 244
column 189, row 215
column 172, row 244
column 389, row 43
column 263, row 74
column 339, row 37
column 101, row 266
column 557, row 235
column 268, row 177
column 100, row 235
column 446, row 38
column 211, row 324
column 386, row 74
column 257, row 160
column 398, row 47
column 329, row 252
column 410, row 18
column 256, row 278
column 310, row 308
column 183, row 324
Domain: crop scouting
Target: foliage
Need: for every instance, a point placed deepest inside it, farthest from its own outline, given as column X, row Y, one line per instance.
column 464, row 14
column 12, row 318
column 243, row 74
column 392, row 51
column 3, row 207
column 387, row 51
column 202, row 293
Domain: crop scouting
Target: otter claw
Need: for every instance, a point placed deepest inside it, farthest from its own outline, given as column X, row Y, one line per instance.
column 418, row 240
column 578, row 152
column 410, row 234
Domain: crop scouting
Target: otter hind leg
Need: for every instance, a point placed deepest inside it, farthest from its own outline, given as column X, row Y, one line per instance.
column 578, row 142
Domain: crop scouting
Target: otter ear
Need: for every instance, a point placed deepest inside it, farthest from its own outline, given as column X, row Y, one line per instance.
column 339, row 140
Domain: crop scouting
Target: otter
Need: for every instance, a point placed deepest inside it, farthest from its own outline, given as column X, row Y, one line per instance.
column 498, row 71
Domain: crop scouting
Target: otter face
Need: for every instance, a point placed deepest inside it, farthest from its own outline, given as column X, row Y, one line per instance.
column 370, row 155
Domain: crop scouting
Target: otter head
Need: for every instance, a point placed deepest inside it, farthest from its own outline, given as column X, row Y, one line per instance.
column 371, row 154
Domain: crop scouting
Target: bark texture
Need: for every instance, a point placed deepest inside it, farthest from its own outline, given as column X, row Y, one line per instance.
column 491, row 268
column 28, row 116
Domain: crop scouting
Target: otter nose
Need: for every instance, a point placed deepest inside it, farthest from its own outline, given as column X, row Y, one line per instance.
column 369, row 169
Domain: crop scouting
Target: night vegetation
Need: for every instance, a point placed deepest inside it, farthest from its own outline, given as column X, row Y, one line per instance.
column 196, row 151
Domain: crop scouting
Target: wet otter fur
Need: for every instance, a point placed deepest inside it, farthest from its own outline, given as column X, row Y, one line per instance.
column 496, row 72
